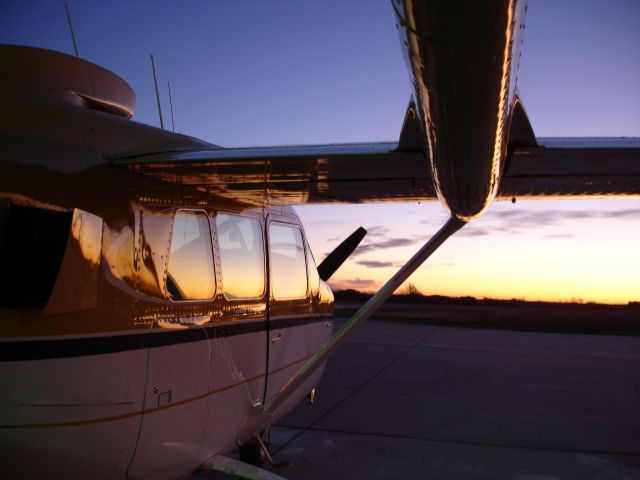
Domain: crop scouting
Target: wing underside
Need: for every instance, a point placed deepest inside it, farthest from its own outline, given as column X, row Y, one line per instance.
column 379, row 172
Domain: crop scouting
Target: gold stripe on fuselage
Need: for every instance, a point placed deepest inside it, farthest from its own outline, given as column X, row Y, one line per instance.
column 114, row 418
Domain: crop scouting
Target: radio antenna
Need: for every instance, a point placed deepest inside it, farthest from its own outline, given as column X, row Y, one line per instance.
column 173, row 127
column 155, row 83
column 73, row 36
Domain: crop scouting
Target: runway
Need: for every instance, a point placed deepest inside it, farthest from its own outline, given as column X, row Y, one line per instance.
column 411, row 401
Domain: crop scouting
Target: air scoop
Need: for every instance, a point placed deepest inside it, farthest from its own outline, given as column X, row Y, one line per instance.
column 48, row 75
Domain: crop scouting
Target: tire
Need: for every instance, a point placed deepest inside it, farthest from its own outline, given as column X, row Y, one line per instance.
column 252, row 454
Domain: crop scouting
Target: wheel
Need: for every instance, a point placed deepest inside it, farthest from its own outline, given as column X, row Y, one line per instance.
column 251, row 452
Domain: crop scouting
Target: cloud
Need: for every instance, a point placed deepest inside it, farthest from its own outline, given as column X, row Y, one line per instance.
column 472, row 231
column 432, row 222
column 336, row 240
column 391, row 243
column 449, row 263
column 356, row 284
column 513, row 222
column 374, row 231
column 377, row 231
column 555, row 216
column 629, row 213
column 375, row 264
column 507, row 213
column 498, row 222
column 560, row 235
column 516, row 221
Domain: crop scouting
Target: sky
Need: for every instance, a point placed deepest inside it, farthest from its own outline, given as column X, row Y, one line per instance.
column 276, row 73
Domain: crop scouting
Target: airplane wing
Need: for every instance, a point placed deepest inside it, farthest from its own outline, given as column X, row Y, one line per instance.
column 574, row 167
column 379, row 172
column 350, row 173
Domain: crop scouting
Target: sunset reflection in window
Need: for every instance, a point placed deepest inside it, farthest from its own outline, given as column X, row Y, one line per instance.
column 288, row 268
column 190, row 271
column 241, row 256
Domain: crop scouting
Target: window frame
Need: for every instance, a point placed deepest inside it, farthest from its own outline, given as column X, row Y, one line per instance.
column 311, row 262
column 213, row 259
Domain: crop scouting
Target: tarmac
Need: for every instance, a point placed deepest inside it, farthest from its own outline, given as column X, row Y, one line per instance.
column 418, row 401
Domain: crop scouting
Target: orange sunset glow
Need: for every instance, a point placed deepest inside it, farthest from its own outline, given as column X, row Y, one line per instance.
column 572, row 250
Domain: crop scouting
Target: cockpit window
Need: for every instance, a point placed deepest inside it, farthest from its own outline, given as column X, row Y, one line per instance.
column 288, row 265
column 190, row 274
column 241, row 256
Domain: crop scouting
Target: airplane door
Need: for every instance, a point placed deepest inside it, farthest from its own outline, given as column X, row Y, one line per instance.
column 289, row 303
column 179, row 355
column 240, row 348
column 175, row 402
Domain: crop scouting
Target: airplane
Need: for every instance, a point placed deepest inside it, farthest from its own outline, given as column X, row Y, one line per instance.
column 160, row 304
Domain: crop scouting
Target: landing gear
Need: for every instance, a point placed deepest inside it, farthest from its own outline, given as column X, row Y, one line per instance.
column 254, row 451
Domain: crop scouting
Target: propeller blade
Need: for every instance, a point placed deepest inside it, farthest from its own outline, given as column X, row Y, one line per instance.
column 336, row 258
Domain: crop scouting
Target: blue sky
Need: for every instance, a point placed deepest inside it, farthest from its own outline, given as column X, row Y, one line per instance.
column 253, row 73
column 265, row 73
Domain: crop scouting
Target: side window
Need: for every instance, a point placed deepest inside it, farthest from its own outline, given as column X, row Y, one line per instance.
column 288, row 266
column 241, row 256
column 314, row 277
column 190, row 271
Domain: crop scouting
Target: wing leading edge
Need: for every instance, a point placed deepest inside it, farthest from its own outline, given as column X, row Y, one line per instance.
column 384, row 172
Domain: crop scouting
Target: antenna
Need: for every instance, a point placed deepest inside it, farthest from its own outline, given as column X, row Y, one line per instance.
column 155, row 83
column 173, row 127
column 73, row 37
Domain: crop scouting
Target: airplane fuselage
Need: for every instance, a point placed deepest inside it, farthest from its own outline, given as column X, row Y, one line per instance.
column 118, row 368
column 143, row 325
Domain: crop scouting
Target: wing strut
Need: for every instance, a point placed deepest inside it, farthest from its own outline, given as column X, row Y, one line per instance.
column 449, row 228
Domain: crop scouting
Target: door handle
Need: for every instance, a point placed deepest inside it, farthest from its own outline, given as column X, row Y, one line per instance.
column 276, row 338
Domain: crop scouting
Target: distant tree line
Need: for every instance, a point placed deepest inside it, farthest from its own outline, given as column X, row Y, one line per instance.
column 411, row 294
